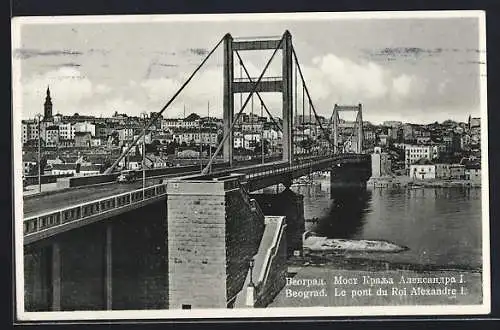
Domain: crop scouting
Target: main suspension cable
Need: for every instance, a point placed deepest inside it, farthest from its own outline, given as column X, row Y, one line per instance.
column 158, row 114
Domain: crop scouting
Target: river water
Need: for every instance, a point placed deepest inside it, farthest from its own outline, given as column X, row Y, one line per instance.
column 440, row 226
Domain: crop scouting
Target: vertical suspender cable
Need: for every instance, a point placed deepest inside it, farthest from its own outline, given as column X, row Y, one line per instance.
column 258, row 94
column 303, row 115
column 254, row 88
column 296, row 103
column 307, row 91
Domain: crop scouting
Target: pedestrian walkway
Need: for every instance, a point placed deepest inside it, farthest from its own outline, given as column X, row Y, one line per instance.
column 260, row 260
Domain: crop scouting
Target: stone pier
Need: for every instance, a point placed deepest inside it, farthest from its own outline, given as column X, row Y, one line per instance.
column 213, row 232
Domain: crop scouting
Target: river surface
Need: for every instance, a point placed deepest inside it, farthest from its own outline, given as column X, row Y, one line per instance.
column 440, row 226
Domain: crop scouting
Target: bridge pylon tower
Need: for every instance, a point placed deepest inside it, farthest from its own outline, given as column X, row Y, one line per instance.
column 281, row 84
column 358, row 127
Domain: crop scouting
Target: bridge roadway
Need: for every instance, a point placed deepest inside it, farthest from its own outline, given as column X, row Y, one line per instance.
column 36, row 204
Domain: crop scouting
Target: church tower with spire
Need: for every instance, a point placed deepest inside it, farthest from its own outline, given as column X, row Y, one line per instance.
column 47, row 114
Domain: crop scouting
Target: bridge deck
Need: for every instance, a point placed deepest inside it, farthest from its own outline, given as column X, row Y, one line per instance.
column 50, row 214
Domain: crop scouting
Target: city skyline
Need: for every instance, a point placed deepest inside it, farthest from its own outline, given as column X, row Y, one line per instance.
column 399, row 69
column 204, row 115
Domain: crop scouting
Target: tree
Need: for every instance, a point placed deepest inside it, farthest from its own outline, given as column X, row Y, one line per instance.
column 306, row 144
column 192, row 117
column 153, row 146
column 171, row 147
column 258, row 147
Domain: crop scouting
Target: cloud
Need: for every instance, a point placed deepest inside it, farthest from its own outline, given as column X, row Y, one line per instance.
column 62, row 65
column 346, row 77
column 198, row 51
column 402, row 85
column 24, row 53
column 70, row 91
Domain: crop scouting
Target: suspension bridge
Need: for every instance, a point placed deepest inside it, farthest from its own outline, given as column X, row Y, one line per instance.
column 211, row 226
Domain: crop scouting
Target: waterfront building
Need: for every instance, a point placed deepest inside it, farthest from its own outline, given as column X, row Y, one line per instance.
column 423, row 169
column 414, row 153
column 473, row 173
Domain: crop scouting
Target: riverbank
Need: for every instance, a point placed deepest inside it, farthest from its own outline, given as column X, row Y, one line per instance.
column 405, row 181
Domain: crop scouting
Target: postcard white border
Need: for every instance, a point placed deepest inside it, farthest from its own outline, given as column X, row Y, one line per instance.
column 414, row 310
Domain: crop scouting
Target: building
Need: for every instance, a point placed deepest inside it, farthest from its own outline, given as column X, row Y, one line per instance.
column 85, row 127
column 474, row 122
column 52, row 136
column 96, row 142
column 423, row 169
column 472, row 170
column 423, row 140
column 125, row 134
column 47, row 107
column 408, row 132
column 58, row 169
column 66, row 131
column 457, row 171
column 29, row 130
column 66, row 143
column 381, row 164
column 383, row 139
column 58, row 118
column 30, row 162
column 89, row 170
column 473, row 173
column 83, row 139
column 103, row 131
column 163, row 139
column 189, row 154
column 414, row 153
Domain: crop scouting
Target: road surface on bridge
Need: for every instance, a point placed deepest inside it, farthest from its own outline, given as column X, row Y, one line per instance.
column 35, row 205
column 57, row 200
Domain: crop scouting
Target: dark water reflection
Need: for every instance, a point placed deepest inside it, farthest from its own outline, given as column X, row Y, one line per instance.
column 440, row 226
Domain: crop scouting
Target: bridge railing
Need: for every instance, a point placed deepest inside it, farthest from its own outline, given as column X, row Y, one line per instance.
column 83, row 211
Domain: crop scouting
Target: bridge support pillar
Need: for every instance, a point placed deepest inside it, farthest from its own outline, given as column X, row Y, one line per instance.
column 350, row 175
column 108, row 270
column 290, row 205
column 37, row 279
column 56, row 277
column 213, row 233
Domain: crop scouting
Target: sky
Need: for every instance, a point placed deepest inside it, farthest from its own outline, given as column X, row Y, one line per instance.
column 411, row 69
